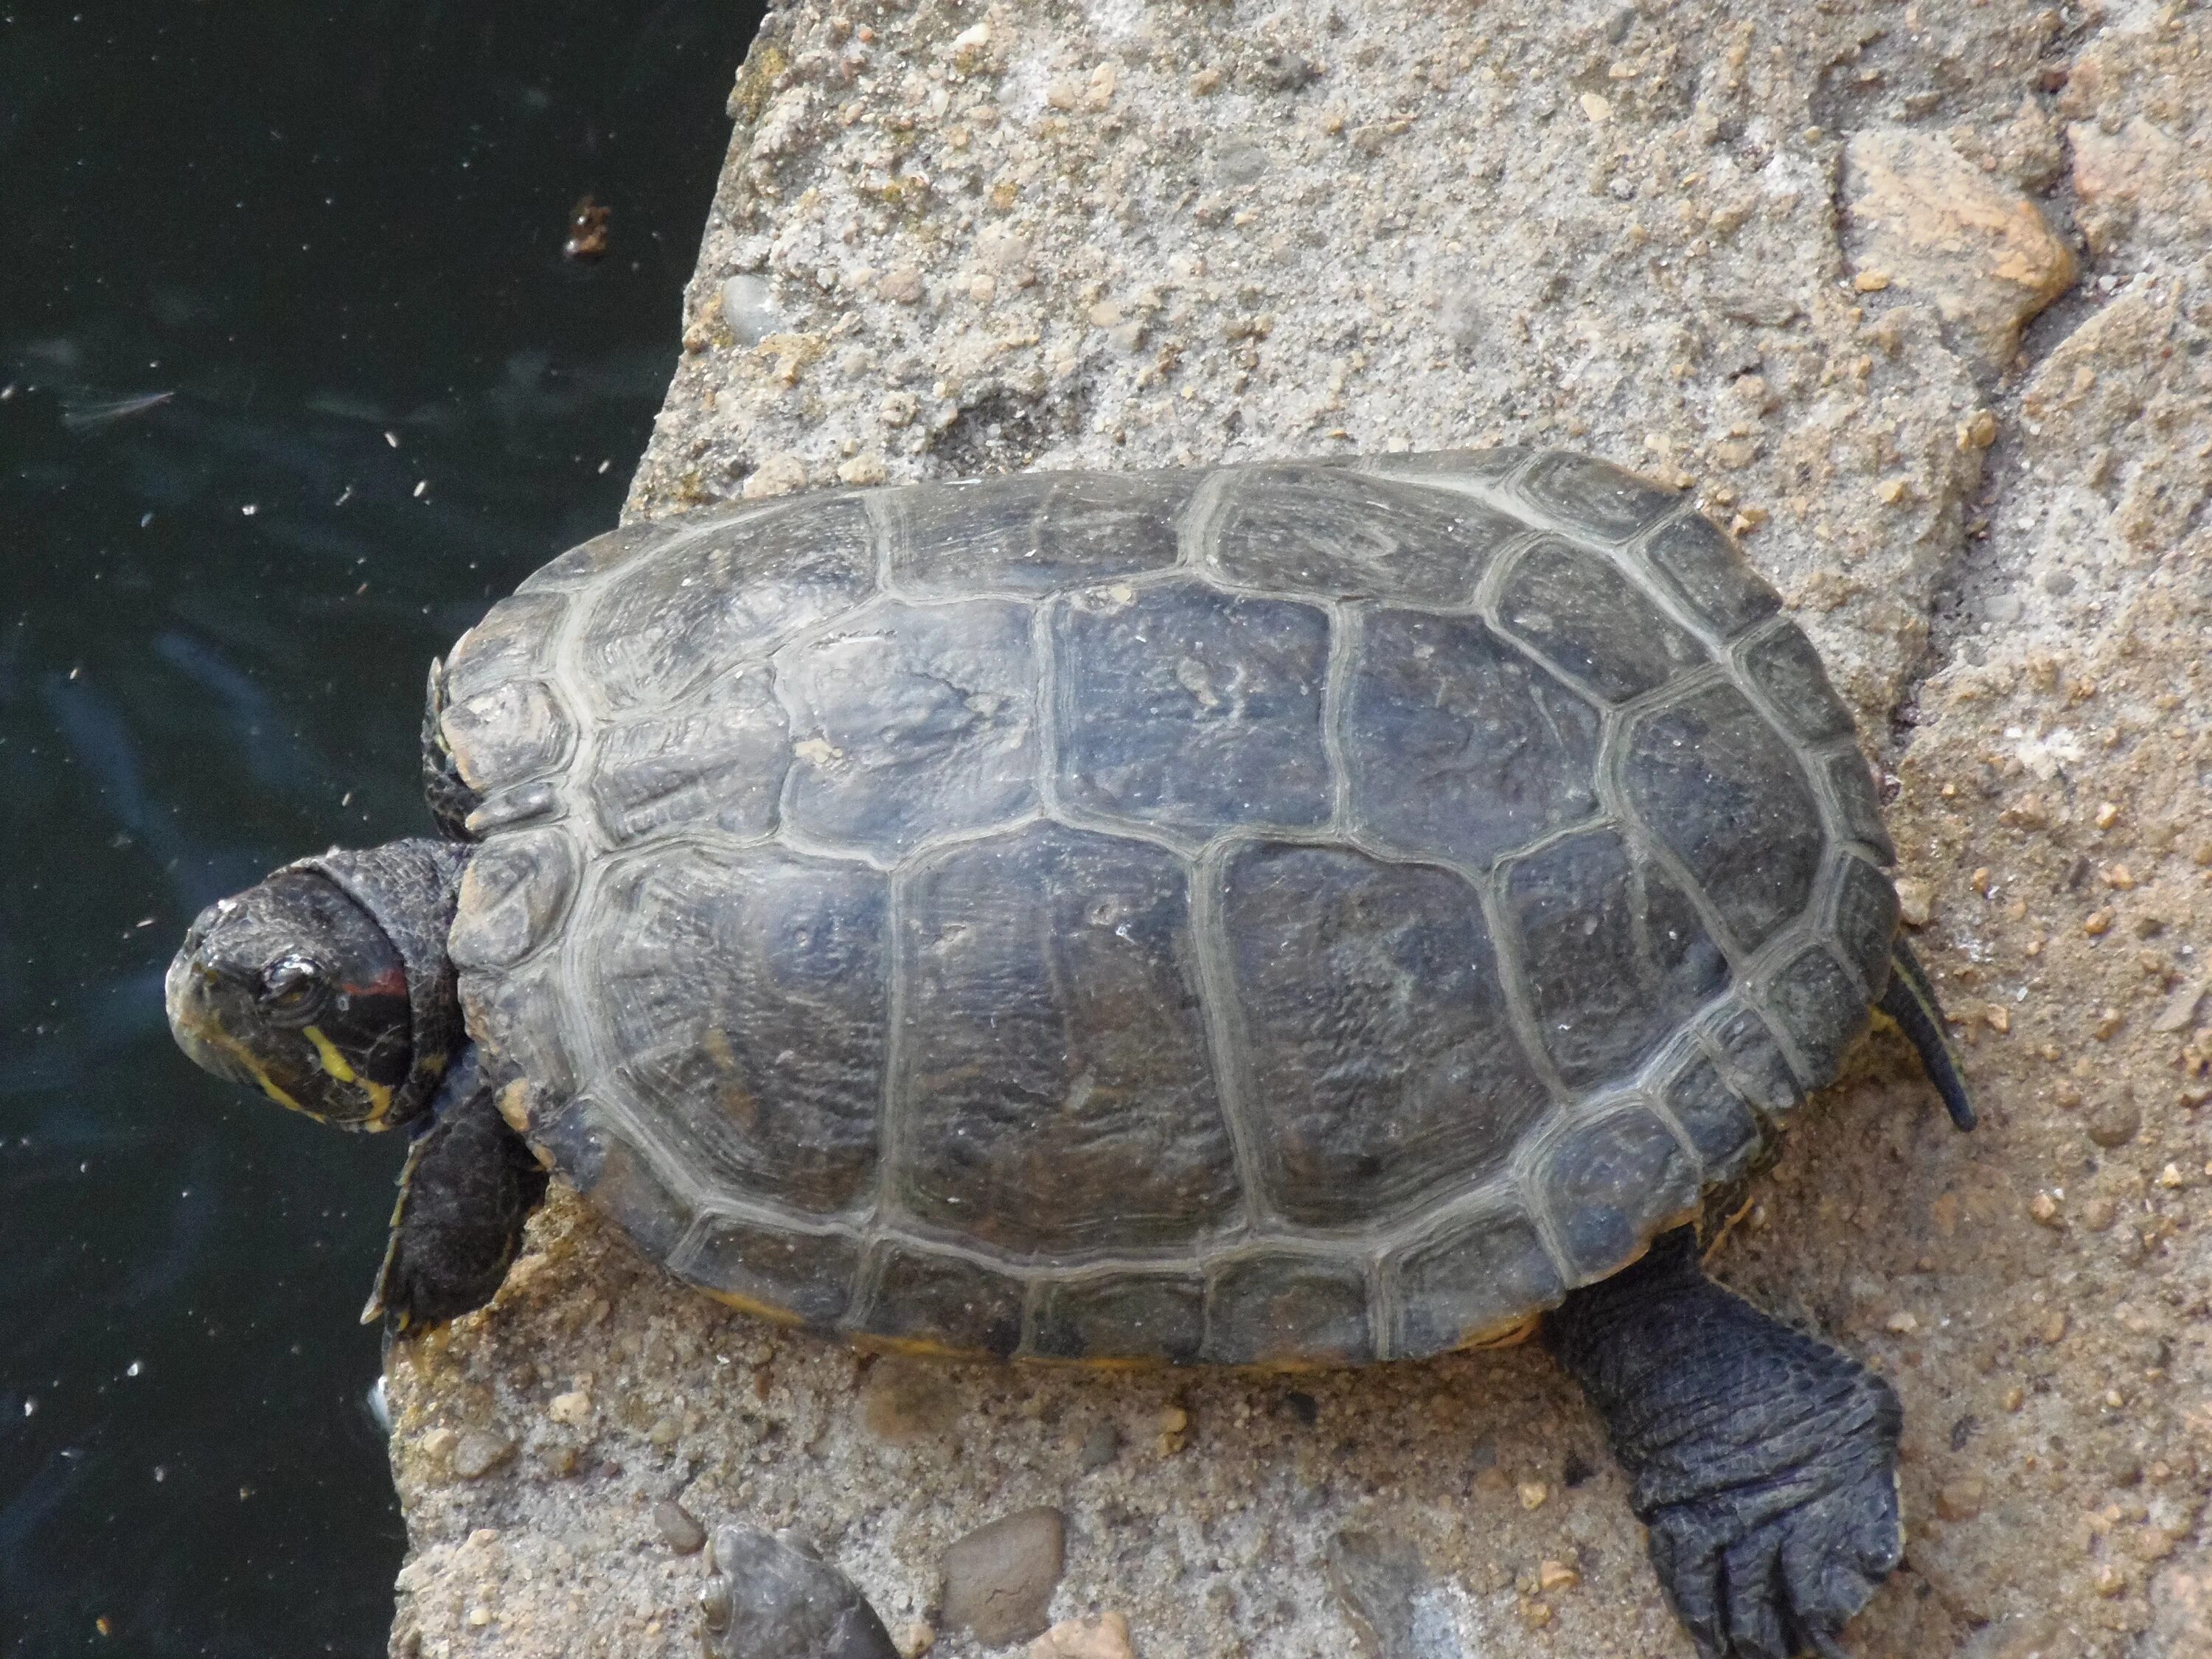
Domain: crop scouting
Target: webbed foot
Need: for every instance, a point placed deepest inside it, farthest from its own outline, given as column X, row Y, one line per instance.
column 469, row 1183
column 773, row 1598
column 1763, row 1461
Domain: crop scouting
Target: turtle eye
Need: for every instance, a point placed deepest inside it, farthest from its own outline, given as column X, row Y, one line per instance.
column 292, row 986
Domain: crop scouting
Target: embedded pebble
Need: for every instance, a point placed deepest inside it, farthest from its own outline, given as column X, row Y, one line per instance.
column 1915, row 900
column 573, row 1408
column 678, row 1527
column 1389, row 1597
column 476, row 1454
column 1100, row 1447
column 999, row 1579
column 1106, row 1636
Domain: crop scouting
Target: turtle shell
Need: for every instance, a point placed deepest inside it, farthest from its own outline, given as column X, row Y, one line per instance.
column 1281, row 914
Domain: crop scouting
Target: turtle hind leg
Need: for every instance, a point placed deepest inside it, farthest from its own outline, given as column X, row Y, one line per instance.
column 1763, row 1462
column 773, row 1598
column 469, row 1185
column 1910, row 1000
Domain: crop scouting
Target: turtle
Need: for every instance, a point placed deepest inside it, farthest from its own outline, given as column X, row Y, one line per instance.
column 1302, row 913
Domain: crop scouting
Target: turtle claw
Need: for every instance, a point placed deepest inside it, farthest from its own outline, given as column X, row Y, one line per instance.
column 771, row 1597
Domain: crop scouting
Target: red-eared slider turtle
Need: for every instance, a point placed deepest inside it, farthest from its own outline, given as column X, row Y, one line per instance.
column 1291, row 914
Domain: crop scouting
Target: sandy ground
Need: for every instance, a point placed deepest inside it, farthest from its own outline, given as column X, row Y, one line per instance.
column 1915, row 297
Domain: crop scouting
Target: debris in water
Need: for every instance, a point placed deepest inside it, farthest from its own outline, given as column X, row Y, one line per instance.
column 587, row 229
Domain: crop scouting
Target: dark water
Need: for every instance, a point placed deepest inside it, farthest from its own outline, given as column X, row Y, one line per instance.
column 292, row 378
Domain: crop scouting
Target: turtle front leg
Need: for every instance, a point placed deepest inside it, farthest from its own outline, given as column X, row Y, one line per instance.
column 773, row 1598
column 469, row 1184
column 1764, row 1462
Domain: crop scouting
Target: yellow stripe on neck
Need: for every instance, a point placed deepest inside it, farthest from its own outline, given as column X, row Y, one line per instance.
column 379, row 1094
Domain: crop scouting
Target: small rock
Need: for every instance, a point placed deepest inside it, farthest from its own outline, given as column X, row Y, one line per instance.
column 2098, row 1214
column 2179, row 1013
column 477, row 1453
column 1940, row 229
column 1552, row 1576
column 901, row 285
column 1106, row 1636
column 776, row 475
column 573, row 1408
column 999, row 1579
column 679, row 1527
column 2115, row 1120
column 2043, row 1209
column 1099, row 1447
column 1960, row 1500
column 1389, row 1598
column 1915, row 900
column 1532, row 1494
column 916, row 1639
column 1174, row 1425
column 748, row 309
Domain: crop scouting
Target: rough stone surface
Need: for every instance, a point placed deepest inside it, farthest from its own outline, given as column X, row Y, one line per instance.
column 1106, row 1636
column 999, row 1579
column 976, row 239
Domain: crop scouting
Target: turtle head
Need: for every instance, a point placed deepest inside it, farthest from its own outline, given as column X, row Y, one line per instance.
column 293, row 988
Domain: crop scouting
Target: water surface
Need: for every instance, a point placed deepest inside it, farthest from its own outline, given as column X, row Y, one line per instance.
column 294, row 379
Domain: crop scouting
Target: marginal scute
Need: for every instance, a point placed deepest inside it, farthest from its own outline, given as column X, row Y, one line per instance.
column 1710, row 575
column 1161, row 1316
column 1036, row 533
column 514, row 892
column 1465, row 466
column 1459, row 744
column 580, row 564
column 1814, row 1001
column 1852, row 782
column 1468, row 1282
column 1866, row 920
column 771, row 1269
column 1722, row 1129
column 1288, row 1311
column 730, row 594
column 1384, row 1070
column 747, row 996
column 506, row 732
column 911, row 720
column 1715, row 783
column 1613, row 1183
column 512, row 639
column 1753, row 1062
column 942, row 1301
column 1783, row 664
column 1597, row 498
column 1336, row 532
column 1577, row 609
column 714, row 761
column 1056, row 1091
column 1180, row 706
column 608, row 1169
column 1614, row 954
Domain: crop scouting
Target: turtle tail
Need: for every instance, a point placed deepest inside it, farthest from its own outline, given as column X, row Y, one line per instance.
column 1910, row 1000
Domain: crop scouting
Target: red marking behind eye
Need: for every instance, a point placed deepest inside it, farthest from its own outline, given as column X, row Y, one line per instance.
column 393, row 983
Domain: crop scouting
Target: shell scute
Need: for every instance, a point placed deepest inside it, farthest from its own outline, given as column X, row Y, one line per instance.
column 1160, row 1315
column 1337, row 532
column 714, row 761
column 1600, row 500
column 1582, row 613
column 1034, row 534
column 1470, row 1281
column 909, row 721
column 778, row 1271
column 1287, row 1311
column 1611, row 1183
column 1185, row 706
column 1714, row 782
column 1056, row 1091
column 941, row 1302
column 1384, row 1066
column 1458, row 743
column 730, row 592
column 746, row 995
column 1613, row 953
